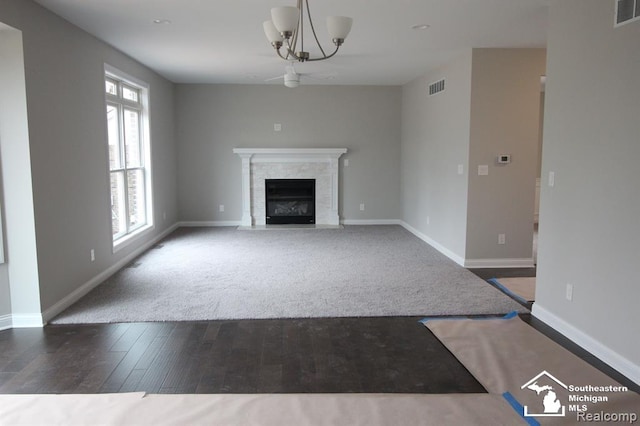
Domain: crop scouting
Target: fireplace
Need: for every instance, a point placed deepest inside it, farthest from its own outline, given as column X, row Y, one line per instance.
column 262, row 164
column 290, row 201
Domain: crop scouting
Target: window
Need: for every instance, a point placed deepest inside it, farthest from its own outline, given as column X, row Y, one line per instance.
column 627, row 11
column 127, row 131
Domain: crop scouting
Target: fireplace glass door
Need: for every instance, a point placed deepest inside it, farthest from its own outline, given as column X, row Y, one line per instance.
column 290, row 201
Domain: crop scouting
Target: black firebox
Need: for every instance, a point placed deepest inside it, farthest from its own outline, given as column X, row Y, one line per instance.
column 290, row 201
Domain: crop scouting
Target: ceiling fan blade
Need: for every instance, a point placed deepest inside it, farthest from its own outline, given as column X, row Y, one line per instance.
column 275, row 78
column 320, row 75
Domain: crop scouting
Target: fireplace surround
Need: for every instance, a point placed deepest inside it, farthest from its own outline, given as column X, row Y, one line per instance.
column 261, row 164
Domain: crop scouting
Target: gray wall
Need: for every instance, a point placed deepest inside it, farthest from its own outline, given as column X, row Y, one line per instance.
column 589, row 226
column 64, row 70
column 11, row 68
column 5, row 294
column 214, row 119
column 6, row 41
column 505, row 119
column 490, row 105
column 20, row 273
column 435, row 140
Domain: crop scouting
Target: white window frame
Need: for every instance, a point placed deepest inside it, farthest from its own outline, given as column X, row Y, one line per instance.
column 635, row 18
column 113, row 73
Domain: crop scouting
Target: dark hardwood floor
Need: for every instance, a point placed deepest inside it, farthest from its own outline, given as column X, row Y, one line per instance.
column 245, row 356
column 487, row 273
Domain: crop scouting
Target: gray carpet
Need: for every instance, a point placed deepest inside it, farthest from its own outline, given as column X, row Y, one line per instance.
column 224, row 273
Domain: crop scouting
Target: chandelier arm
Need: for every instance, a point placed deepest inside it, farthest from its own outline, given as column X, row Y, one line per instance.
column 291, row 48
column 301, row 23
column 324, row 57
column 290, row 37
column 313, row 30
column 289, row 53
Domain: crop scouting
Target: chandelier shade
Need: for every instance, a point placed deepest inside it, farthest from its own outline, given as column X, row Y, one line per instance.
column 286, row 30
column 272, row 33
column 285, row 18
column 339, row 27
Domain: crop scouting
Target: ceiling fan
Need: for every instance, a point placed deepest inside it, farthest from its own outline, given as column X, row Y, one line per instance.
column 292, row 78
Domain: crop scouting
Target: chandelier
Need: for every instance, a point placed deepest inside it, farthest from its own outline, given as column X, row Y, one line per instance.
column 286, row 30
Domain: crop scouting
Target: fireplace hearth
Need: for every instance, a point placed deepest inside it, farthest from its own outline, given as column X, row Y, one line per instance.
column 290, row 201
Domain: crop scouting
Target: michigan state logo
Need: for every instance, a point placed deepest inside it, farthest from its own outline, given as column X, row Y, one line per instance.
column 545, row 386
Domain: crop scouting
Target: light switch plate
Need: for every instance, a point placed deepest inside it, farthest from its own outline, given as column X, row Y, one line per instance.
column 483, row 170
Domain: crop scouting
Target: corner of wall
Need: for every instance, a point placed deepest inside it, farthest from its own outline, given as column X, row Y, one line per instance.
column 6, row 322
column 442, row 249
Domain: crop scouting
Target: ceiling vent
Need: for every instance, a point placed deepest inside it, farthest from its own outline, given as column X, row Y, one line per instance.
column 627, row 11
column 438, row 86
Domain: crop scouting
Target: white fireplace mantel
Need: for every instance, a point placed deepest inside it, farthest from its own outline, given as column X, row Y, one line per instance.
column 282, row 156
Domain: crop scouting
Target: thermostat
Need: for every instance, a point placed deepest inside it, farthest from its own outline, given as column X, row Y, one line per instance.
column 504, row 159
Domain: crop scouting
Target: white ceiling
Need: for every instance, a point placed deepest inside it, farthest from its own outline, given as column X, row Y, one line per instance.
column 222, row 41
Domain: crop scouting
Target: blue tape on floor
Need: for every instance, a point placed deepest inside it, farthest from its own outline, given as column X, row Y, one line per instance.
column 510, row 315
column 519, row 409
column 495, row 282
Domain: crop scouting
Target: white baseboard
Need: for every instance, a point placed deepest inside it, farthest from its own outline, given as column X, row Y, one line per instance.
column 206, row 223
column 6, row 322
column 442, row 249
column 27, row 320
column 526, row 262
column 371, row 222
column 21, row 321
column 212, row 223
column 605, row 354
column 470, row 263
column 85, row 288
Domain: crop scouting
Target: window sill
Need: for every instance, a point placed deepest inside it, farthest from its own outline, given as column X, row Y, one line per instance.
column 132, row 238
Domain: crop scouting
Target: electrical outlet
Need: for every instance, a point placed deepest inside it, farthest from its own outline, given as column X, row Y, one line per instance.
column 221, row 208
column 93, row 255
column 460, row 169
column 483, row 170
column 277, row 127
column 361, row 207
column 501, row 238
column 346, row 162
column 569, row 294
column 428, row 220
column 552, row 178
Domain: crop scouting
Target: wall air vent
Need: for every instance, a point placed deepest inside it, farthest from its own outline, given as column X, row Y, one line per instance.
column 627, row 11
column 438, row 86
